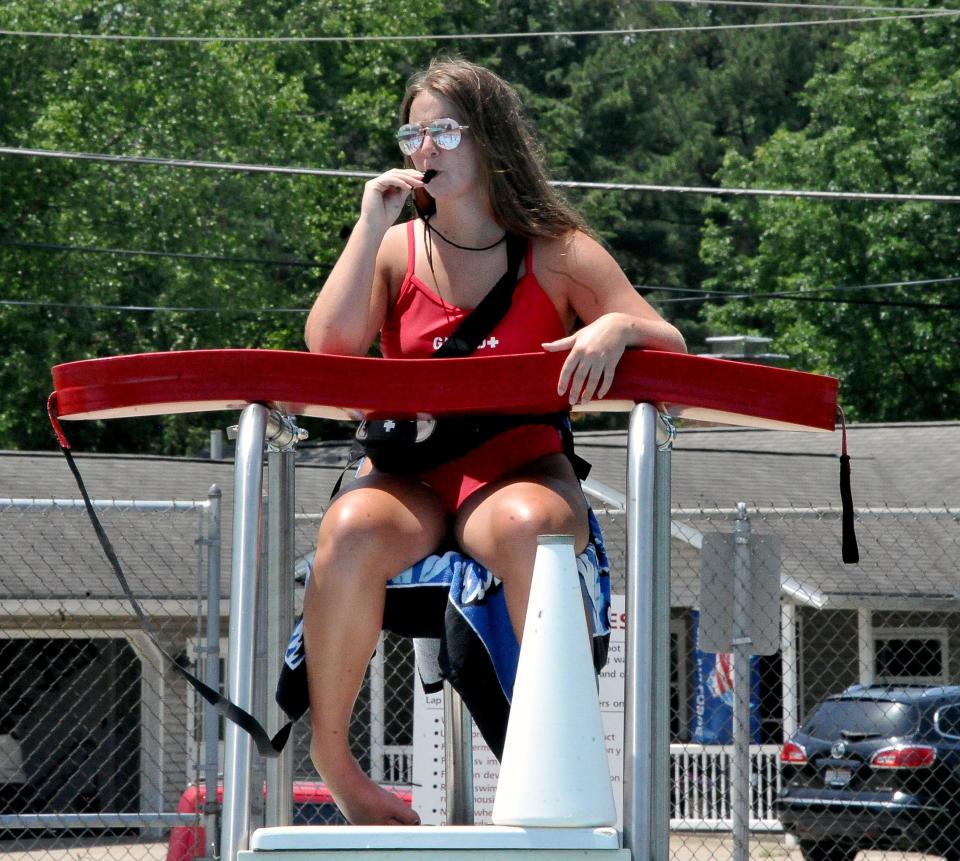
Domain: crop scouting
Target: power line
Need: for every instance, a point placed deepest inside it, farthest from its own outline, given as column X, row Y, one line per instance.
column 707, row 297
column 771, row 4
column 761, row 192
column 712, row 294
column 597, row 186
column 162, row 309
column 702, row 294
column 803, row 296
column 177, row 255
column 449, row 37
column 186, row 163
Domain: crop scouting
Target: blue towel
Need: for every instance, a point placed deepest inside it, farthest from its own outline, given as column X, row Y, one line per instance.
column 455, row 610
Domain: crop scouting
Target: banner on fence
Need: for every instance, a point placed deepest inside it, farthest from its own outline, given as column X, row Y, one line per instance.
column 713, row 694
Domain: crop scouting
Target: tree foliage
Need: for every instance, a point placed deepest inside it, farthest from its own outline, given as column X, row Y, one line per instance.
column 885, row 120
column 673, row 109
column 301, row 104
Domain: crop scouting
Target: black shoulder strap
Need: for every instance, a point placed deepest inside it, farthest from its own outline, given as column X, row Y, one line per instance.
column 493, row 307
column 267, row 747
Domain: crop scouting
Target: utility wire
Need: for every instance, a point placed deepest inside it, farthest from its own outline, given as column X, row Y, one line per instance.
column 233, row 311
column 712, row 294
column 698, row 292
column 771, row 4
column 825, row 300
column 177, row 255
column 163, row 309
column 448, row 37
column 597, row 186
column 759, row 192
column 186, row 163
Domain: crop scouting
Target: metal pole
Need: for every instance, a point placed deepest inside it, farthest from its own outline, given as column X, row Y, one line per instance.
column 638, row 737
column 216, row 444
column 790, row 714
column 248, row 483
column 258, row 647
column 458, row 758
column 865, row 650
column 211, row 720
column 740, row 767
column 660, row 701
column 378, row 711
column 280, row 561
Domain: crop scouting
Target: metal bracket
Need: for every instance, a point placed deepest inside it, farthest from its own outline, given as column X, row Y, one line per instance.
column 282, row 433
column 666, row 433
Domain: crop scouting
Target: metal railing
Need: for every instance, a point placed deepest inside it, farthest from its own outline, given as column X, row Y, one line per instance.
column 700, row 792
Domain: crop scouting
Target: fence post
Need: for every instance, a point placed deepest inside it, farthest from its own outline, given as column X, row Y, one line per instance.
column 741, row 644
column 211, row 720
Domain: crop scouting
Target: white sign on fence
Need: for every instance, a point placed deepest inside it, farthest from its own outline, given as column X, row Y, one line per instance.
column 761, row 615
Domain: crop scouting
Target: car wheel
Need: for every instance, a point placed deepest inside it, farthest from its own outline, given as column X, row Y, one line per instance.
column 826, row 850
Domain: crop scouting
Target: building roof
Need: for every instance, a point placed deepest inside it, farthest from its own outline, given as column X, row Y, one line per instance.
column 906, row 488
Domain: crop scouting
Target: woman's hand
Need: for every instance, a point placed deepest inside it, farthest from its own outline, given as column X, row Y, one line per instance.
column 595, row 351
column 384, row 196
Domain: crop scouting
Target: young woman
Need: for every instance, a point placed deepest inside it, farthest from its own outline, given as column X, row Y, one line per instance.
column 475, row 172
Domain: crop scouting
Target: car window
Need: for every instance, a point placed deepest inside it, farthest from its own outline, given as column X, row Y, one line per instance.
column 948, row 721
column 864, row 718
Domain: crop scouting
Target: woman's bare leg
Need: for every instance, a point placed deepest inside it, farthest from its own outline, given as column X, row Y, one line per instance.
column 371, row 532
column 499, row 524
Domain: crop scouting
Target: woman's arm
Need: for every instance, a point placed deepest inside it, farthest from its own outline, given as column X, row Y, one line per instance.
column 352, row 305
column 615, row 317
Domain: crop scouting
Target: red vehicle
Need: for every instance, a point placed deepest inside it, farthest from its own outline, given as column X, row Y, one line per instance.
column 312, row 805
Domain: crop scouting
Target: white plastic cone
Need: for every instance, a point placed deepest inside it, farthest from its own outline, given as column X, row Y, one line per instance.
column 554, row 770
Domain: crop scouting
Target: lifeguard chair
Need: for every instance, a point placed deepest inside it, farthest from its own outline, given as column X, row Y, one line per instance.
column 268, row 387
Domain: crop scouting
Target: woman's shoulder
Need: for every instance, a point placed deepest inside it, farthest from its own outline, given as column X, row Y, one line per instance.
column 571, row 255
column 395, row 239
column 392, row 257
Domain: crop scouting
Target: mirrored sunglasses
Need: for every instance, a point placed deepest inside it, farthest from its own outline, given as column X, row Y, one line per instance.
column 445, row 133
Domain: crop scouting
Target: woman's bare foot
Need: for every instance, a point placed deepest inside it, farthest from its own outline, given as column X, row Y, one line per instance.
column 361, row 801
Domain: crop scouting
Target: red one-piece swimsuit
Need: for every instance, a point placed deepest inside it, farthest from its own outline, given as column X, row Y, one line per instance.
column 417, row 324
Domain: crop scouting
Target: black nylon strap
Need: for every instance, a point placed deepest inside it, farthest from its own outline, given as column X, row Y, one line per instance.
column 267, row 747
column 849, row 550
column 482, row 320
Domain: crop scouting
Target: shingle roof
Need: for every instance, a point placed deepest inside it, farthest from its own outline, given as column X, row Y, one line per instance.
column 892, row 465
column 904, row 476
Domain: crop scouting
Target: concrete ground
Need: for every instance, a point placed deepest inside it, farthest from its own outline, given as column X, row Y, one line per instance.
column 698, row 846
column 84, row 850
column 689, row 846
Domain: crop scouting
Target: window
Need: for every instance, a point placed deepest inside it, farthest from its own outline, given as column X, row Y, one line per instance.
column 878, row 718
column 910, row 655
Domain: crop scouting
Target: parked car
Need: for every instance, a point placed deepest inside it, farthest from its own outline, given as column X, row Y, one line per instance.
column 312, row 805
column 875, row 767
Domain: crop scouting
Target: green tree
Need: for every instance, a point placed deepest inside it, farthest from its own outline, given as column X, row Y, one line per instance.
column 653, row 108
column 886, row 120
column 311, row 104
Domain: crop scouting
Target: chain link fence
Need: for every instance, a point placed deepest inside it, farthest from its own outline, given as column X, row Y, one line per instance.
column 99, row 739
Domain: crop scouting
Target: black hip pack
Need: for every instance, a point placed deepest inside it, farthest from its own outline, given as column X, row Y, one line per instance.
column 409, row 446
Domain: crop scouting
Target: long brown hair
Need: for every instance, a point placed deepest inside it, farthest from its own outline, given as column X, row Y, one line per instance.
column 511, row 161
